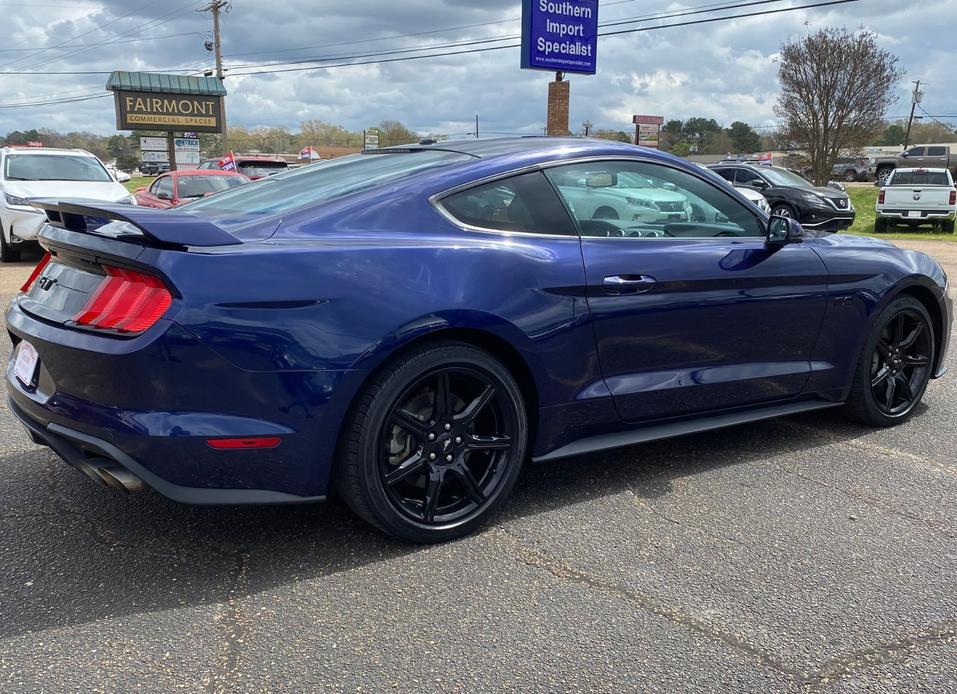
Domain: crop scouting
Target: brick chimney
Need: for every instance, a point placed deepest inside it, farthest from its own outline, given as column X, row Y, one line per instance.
column 558, row 94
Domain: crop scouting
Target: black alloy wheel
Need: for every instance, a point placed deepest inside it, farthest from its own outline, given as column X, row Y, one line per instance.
column 446, row 445
column 895, row 365
column 900, row 363
column 434, row 443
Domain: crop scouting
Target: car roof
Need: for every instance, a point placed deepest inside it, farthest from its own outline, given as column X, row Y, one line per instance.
column 201, row 172
column 51, row 151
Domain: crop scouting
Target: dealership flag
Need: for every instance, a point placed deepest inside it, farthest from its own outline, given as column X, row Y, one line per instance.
column 228, row 163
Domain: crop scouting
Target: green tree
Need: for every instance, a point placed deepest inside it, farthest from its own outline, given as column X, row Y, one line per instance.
column 893, row 135
column 699, row 131
column 744, row 139
column 616, row 135
column 124, row 152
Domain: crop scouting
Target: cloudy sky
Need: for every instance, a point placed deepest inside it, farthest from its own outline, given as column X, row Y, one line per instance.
column 723, row 70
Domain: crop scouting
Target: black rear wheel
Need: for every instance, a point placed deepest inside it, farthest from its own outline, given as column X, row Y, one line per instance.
column 895, row 366
column 434, row 445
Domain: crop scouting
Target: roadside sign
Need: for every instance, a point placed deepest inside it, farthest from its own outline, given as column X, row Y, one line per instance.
column 372, row 138
column 560, row 35
column 648, row 130
column 153, row 144
column 156, row 157
column 186, row 144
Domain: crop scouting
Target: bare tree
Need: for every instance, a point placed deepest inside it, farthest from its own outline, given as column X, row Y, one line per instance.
column 836, row 86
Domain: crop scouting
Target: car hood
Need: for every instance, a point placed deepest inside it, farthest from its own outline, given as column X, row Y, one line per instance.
column 654, row 194
column 831, row 193
column 107, row 191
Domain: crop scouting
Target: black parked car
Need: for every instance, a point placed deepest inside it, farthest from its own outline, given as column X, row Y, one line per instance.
column 790, row 195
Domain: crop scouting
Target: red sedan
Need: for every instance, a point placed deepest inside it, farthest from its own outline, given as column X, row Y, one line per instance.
column 177, row 187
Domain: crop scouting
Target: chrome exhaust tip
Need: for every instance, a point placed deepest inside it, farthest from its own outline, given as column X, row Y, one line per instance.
column 120, row 479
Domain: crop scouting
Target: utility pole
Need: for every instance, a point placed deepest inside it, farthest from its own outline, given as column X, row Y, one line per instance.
column 915, row 99
column 215, row 6
column 476, row 126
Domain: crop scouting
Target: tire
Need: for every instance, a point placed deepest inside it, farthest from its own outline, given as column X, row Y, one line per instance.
column 7, row 253
column 783, row 210
column 850, row 176
column 605, row 213
column 947, row 226
column 397, row 447
column 883, row 174
column 880, row 225
column 889, row 384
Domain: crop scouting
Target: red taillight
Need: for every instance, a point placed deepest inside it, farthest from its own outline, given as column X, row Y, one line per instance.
column 126, row 301
column 880, row 197
column 953, row 197
column 240, row 444
column 36, row 272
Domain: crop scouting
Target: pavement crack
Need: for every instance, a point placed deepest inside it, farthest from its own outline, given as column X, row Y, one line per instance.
column 566, row 574
column 235, row 628
column 854, row 661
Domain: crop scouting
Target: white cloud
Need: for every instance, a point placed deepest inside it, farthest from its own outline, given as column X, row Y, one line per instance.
column 724, row 70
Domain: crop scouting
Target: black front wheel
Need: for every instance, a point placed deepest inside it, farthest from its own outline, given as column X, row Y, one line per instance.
column 895, row 366
column 7, row 252
column 434, row 444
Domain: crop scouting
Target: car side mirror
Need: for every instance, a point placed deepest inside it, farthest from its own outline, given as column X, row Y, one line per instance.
column 164, row 195
column 759, row 183
column 784, row 230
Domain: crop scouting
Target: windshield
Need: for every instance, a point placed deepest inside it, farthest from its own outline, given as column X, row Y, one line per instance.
column 46, row 167
column 261, row 169
column 920, row 178
column 783, row 177
column 199, row 186
column 325, row 181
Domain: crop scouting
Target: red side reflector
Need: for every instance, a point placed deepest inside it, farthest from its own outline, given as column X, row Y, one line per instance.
column 126, row 301
column 238, row 444
column 38, row 269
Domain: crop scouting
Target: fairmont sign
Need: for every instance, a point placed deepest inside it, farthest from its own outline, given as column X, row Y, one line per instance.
column 137, row 110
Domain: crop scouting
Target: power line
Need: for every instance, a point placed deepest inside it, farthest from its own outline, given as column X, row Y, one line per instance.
column 517, row 45
column 714, row 7
column 111, row 43
column 100, row 95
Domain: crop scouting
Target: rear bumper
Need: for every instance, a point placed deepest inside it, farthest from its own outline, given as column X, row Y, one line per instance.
column 81, row 450
column 925, row 215
column 150, row 404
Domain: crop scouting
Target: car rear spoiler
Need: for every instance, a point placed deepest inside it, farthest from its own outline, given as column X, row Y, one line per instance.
column 163, row 226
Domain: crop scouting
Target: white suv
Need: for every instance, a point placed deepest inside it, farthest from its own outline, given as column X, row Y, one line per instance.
column 34, row 172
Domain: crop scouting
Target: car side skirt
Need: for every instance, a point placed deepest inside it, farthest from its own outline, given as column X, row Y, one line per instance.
column 667, row 430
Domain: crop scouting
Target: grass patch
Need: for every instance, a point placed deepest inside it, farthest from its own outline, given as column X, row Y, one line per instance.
column 138, row 182
column 865, row 200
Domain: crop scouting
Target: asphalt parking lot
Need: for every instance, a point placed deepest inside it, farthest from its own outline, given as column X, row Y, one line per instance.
column 791, row 555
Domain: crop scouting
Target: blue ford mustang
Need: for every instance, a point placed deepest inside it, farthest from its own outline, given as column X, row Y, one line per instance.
column 409, row 326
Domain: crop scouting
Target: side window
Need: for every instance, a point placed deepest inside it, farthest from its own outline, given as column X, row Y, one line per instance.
column 726, row 174
column 163, row 185
column 521, row 203
column 915, row 152
column 936, row 151
column 747, row 177
column 633, row 199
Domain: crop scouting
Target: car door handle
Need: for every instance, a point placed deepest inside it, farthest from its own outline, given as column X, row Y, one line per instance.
column 628, row 284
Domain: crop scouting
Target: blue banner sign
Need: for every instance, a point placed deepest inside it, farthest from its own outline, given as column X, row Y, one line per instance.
column 560, row 35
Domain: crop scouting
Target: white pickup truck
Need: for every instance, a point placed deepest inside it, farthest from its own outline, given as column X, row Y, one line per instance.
column 917, row 196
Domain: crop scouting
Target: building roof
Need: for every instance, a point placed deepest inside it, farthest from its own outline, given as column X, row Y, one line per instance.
column 169, row 84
